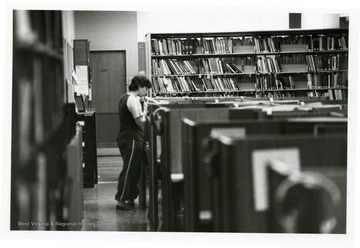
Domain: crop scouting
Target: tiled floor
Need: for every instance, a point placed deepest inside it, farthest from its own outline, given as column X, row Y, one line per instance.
column 99, row 203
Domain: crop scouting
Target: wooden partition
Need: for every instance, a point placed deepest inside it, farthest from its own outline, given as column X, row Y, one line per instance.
column 241, row 201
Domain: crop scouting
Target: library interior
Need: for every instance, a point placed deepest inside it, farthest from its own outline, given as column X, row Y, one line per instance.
column 245, row 131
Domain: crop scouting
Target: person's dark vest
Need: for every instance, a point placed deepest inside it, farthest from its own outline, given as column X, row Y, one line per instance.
column 128, row 127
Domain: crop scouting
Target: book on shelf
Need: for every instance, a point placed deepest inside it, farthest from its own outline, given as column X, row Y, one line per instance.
column 189, row 67
column 173, row 69
column 309, row 81
column 234, row 68
column 310, row 62
column 164, row 68
column 153, row 48
column 343, row 42
column 208, row 84
column 261, row 64
column 187, row 46
column 160, row 47
column 214, row 67
column 178, row 47
column 205, row 67
column 268, row 63
column 257, row 46
column 322, row 42
column 164, row 46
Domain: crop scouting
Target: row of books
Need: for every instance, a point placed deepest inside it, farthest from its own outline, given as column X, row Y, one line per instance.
column 274, row 83
column 268, row 82
column 176, row 46
column 286, row 94
column 328, row 80
column 264, row 64
column 331, row 62
column 217, row 45
column 336, row 94
column 226, row 45
column 200, row 66
column 173, row 67
column 329, row 43
column 173, row 85
column 323, row 62
column 190, row 84
column 271, row 63
column 266, row 45
column 187, row 84
column 311, row 42
column 308, row 81
column 216, row 65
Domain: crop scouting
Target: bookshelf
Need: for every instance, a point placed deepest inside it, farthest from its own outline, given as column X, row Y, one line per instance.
column 42, row 123
column 277, row 64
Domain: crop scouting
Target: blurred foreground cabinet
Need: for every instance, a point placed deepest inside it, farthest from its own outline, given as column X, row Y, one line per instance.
column 304, row 193
column 87, row 121
column 75, row 199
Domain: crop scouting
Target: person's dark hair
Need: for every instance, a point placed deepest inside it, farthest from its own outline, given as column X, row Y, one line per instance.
column 139, row 81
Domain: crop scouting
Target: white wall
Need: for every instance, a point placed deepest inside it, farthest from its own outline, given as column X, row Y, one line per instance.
column 110, row 30
column 68, row 23
column 316, row 20
column 226, row 21
column 209, row 21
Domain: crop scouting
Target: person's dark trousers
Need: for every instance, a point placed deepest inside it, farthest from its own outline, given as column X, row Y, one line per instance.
column 131, row 152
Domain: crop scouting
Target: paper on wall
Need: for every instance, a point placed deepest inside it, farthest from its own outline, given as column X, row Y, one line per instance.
column 82, row 80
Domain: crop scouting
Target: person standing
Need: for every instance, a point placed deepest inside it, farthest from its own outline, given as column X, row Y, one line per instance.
column 130, row 141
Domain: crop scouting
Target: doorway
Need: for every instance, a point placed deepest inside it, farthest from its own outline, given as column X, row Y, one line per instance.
column 108, row 84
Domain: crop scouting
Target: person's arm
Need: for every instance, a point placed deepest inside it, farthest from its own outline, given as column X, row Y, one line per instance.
column 142, row 118
column 134, row 107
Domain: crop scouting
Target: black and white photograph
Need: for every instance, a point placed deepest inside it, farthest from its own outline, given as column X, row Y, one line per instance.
column 184, row 124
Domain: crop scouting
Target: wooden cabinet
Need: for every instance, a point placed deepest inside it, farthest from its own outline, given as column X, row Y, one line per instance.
column 88, row 123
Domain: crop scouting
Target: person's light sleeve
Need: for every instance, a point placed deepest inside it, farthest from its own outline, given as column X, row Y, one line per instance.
column 134, row 106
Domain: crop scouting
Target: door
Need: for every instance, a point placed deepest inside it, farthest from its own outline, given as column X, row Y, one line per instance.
column 108, row 84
